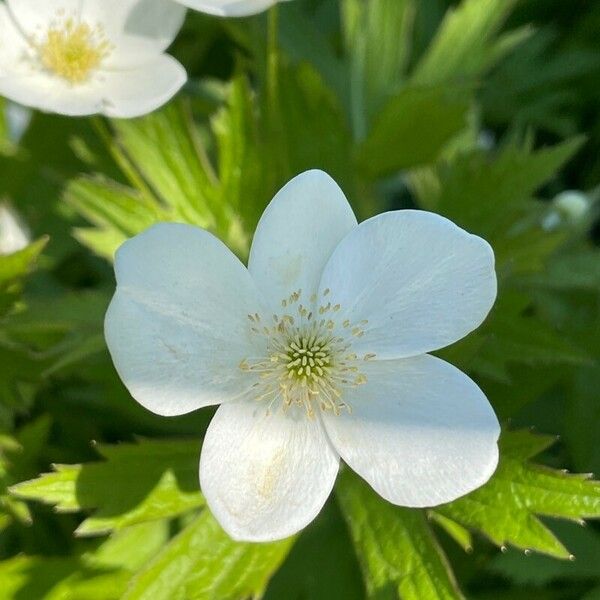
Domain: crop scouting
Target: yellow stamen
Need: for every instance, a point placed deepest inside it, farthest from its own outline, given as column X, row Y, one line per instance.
column 306, row 362
column 73, row 51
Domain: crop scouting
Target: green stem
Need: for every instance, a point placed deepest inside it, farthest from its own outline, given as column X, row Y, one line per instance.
column 275, row 117
column 273, row 56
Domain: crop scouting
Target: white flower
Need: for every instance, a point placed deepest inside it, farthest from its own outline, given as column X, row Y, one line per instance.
column 316, row 351
column 14, row 234
column 569, row 208
column 229, row 8
column 18, row 119
column 80, row 57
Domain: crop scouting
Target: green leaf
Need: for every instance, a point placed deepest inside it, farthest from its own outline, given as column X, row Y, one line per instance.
column 538, row 87
column 203, row 563
column 240, row 154
column 460, row 535
column 578, row 270
column 486, row 193
column 19, row 458
column 163, row 158
column 322, row 564
column 378, row 41
column 511, row 335
column 99, row 574
column 18, row 264
column 315, row 132
column 134, row 484
column 399, row 554
column 413, row 128
column 508, row 507
column 539, row 570
column 118, row 212
column 165, row 148
column 6, row 144
column 466, row 43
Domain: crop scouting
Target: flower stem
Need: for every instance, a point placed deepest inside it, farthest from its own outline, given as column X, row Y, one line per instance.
column 273, row 56
column 275, row 117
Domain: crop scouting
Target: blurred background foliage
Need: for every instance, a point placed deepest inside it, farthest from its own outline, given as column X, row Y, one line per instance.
column 487, row 111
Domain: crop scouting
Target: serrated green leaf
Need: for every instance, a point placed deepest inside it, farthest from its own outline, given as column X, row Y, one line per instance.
column 134, row 484
column 399, row 554
column 322, row 564
column 540, row 570
column 99, row 574
column 512, row 336
column 378, row 41
column 18, row 264
column 578, row 270
column 315, row 132
column 412, row 128
column 466, row 43
column 117, row 211
column 163, row 158
column 458, row 533
column 241, row 176
column 482, row 192
column 203, row 563
column 508, row 507
column 165, row 149
column 18, row 459
column 536, row 86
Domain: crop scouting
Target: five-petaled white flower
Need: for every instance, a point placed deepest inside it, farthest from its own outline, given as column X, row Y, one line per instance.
column 229, row 8
column 316, row 351
column 81, row 57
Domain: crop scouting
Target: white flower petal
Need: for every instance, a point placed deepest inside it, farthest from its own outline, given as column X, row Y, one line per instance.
column 229, row 8
column 265, row 477
column 123, row 94
column 297, row 234
column 177, row 327
column 421, row 281
column 139, row 30
column 421, row 433
column 45, row 92
column 135, row 92
column 12, row 41
column 34, row 16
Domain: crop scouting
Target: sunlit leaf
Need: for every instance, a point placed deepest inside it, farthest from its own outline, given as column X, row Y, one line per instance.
column 413, row 127
column 203, row 563
column 135, row 483
column 508, row 507
column 399, row 554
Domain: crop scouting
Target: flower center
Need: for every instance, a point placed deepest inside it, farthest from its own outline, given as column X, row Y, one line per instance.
column 308, row 359
column 73, row 50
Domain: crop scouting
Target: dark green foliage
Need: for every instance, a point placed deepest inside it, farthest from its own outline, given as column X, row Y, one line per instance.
column 480, row 110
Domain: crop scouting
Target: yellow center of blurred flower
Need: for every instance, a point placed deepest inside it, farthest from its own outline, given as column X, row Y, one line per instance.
column 308, row 359
column 74, row 50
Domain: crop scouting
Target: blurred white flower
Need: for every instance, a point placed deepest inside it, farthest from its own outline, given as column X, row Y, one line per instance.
column 18, row 118
column 14, row 234
column 316, row 351
column 570, row 207
column 76, row 57
column 230, row 8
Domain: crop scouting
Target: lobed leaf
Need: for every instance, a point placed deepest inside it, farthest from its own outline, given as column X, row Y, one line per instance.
column 467, row 42
column 140, row 482
column 508, row 507
column 413, row 127
column 398, row 552
column 203, row 563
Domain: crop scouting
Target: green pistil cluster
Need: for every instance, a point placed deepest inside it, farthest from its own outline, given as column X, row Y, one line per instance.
column 308, row 358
